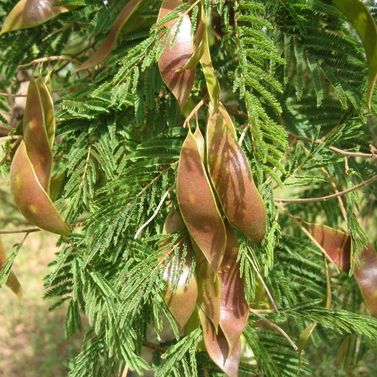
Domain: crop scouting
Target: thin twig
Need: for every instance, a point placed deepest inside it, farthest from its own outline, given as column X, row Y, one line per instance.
column 193, row 112
column 327, row 197
column 153, row 346
column 155, row 213
column 5, row 94
column 24, row 230
column 275, row 327
column 334, row 149
column 10, row 137
column 48, row 59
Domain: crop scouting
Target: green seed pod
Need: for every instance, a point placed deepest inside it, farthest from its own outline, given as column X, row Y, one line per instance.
column 230, row 174
column 182, row 291
column 30, row 172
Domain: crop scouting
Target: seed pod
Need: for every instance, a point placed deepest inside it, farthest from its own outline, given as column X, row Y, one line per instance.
column 175, row 56
column 337, row 245
column 198, row 204
column 234, row 310
column 109, row 43
column 30, row 13
column 230, row 174
column 30, row 172
column 12, row 281
column 218, row 349
column 182, row 292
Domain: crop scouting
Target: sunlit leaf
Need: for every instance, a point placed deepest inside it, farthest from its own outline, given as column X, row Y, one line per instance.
column 177, row 51
column 230, row 173
column 109, row 43
column 30, row 13
column 12, row 281
column 198, row 204
column 359, row 16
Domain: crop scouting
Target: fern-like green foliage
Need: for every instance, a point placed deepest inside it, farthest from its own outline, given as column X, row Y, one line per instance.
column 293, row 77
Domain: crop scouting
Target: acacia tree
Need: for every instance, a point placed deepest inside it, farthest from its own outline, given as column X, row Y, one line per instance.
column 210, row 168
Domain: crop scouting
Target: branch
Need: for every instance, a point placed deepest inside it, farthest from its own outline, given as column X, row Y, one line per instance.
column 275, row 327
column 48, row 59
column 334, row 149
column 327, row 197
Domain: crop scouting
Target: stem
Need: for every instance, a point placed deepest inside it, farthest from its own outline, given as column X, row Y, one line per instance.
column 49, row 59
column 334, row 149
column 275, row 327
column 327, row 197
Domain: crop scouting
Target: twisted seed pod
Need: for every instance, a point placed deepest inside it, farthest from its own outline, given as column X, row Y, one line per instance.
column 108, row 44
column 197, row 202
column 337, row 245
column 218, row 349
column 30, row 171
column 175, row 56
column 230, row 174
column 12, row 281
column 234, row 310
column 182, row 292
column 30, row 13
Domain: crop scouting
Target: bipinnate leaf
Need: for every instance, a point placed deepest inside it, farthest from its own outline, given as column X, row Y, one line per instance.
column 234, row 310
column 231, row 176
column 338, row 246
column 178, row 48
column 12, row 281
column 110, row 41
column 197, row 203
column 30, row 13
column 218, row 349
column 31, row 198
column 359, row 16
column 38, row 119
column 182, row 290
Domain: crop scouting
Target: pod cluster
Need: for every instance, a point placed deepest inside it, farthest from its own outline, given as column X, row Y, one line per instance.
column 215, row 193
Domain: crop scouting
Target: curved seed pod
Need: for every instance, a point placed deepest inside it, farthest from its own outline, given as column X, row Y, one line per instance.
column 31, row 198
column 198, row 204
column 30, row 13
column 234, row 310
column 38, row 124
column 12, row 281
column 230, row 174
column 217, row 348
column 108, row 44
column 338, row 246
column 359, row 16
column 175, row 56
column 182, row 292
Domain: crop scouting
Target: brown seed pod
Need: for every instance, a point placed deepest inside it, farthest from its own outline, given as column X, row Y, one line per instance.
column 176, row 55
column 182, row 292
column 198, row 204
column 230, row 174
column 110, row 41
column 218, row 348
column 234, row 310
column 30, row 171
column 337, row 245
column 30, row 13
